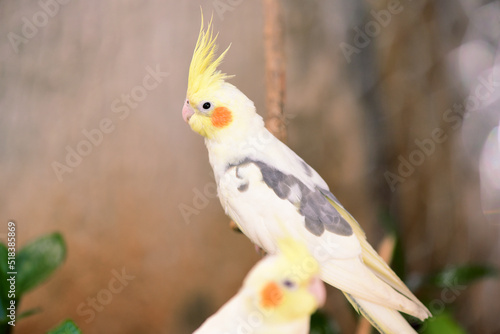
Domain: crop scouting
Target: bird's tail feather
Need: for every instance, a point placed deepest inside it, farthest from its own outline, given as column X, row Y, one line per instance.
column 354, row 278
column 384, row 319
column 381, row 269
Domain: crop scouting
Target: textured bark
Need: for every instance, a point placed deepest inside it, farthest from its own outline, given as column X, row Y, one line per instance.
column 275, row 68
column 275, row 73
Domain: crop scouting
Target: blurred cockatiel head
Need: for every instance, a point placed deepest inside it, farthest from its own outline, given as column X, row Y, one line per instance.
column 287, row 283
column 281, row 290
column 214, row 108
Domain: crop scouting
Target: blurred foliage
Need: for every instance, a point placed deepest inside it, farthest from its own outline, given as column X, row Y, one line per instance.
column 462, row 275
column 443, row 288
column 34, row 263
column 398, row 262
column 38, row 260
column 442, row 324
column 66, row 327
column 322, row 324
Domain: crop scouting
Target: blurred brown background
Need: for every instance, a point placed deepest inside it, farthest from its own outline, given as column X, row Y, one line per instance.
column 353, row 116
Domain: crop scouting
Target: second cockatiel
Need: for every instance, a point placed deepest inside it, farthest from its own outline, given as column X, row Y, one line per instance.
column 262, row 182
column 278, row 296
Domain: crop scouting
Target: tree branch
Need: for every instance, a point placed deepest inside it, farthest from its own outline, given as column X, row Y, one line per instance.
column 275, row 67
column 275, row 72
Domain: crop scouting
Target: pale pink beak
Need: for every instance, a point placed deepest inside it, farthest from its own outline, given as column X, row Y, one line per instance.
column 187, row 112
column 317, row 289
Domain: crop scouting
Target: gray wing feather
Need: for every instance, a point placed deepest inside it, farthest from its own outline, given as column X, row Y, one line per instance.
column 313, row 204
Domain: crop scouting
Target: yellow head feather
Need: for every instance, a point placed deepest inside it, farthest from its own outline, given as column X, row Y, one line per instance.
column 203, row 73
column 299, row 256
column 284, row 282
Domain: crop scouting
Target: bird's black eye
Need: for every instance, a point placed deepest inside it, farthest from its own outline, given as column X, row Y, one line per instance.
column 289, row 284
column 206, row 105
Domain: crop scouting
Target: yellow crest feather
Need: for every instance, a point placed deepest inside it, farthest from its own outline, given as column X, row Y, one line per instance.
column 203, row 73
column 298, row 254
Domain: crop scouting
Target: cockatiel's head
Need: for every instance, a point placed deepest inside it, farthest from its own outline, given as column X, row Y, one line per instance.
column 213, row 108
column 286, row 287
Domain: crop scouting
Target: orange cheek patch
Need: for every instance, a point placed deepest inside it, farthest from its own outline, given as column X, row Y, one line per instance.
column 271, row 295
column 221, row 117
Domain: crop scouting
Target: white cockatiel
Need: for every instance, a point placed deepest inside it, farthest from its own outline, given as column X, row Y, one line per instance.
column 278, row 296
column 262, row 182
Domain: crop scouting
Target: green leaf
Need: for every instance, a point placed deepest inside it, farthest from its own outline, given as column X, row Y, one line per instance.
column 462, row 275
column 321, row 324
column 440, row 324
column 66, row 327
column 37, row 261
column 28, row 313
